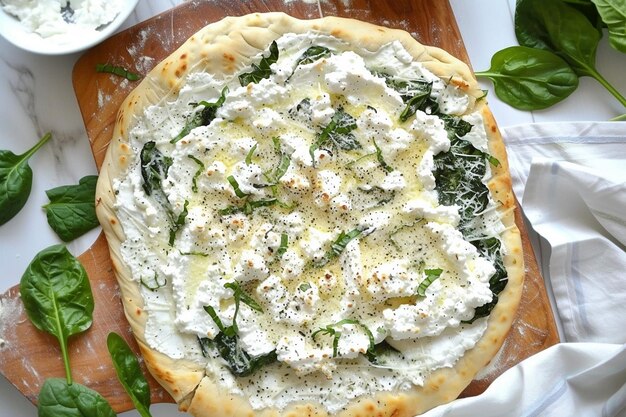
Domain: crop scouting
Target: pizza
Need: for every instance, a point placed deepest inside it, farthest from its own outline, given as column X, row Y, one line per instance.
column 311, row 217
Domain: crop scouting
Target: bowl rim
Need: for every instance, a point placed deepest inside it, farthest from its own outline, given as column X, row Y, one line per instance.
column 17, row 34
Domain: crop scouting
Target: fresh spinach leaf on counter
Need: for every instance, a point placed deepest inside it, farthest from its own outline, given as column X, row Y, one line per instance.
column 338, row 131
column 530, row 79
column 203, row 117
column 555, row 26
column 16, row 180
column 117, row 70
column 262, row 70
column 57, row 297
column 129, row 373
column 613, row 13
column 72, row 210
column 59, row 398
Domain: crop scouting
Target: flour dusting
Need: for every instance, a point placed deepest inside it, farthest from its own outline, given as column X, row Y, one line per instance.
column 9, row 308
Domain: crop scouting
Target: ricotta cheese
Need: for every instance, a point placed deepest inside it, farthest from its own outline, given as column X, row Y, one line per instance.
column 306, row 218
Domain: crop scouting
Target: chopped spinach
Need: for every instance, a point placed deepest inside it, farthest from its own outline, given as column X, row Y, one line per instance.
column 154, row 168
column 380, row 350
column 248, row 206
column 157, row 284
column 416, row 94
column 262, row 69
column 417, row 102
column 381, row 160
column 458, row 177
column 178, row 223
column 203, row 117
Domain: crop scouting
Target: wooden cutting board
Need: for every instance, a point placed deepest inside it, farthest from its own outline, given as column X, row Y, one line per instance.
column 28, row 356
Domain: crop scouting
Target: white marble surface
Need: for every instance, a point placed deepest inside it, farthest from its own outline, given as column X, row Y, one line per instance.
column 37, row 96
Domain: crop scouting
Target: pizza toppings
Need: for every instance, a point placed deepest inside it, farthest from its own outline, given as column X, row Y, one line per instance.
column 327, row 214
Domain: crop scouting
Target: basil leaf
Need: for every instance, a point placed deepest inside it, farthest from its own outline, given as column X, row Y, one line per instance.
column 203, row 117
column 330, row 330
column 60, row 399
column 381, row 160
column 248, row 207
column 530, row 79
column 16, row 180
column 555, row 26
column 129, row 373
column 337, row 131
column 250, row 154
column 314, row 53
column 178, row 223
column 240, row 295
column 338, row 246
column 431, row 276
column 72, row 211
column 57, row 296
column 284, row 241
column 239, row 361
column 613, row 13
column 262, row 70
column 157, row 284
column 194, row 180
column 117, row 70
column 233, row 182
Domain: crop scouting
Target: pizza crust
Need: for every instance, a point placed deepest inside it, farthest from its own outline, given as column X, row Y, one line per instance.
column 224, row 47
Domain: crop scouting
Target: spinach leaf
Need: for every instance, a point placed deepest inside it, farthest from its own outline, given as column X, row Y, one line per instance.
column 57, row 296
column 530, row 79
column 415, row 93
column 117, row 70
column 262, row 70
column 431, row 276
column 203, row 117
column 72, row 210
column 16, row 180
column 491, row 248
column 613, row 13
column 417, row 102
column 178, row 223
column 312, row 54
column 381, row 160
column 129, row 373
column 58, row 398
column 336, row 334
column 555, row 26
column 338, row 246
column 227, row 341
column 156, row 282
column 154, row 167
column 339, row 132
column 381, row 349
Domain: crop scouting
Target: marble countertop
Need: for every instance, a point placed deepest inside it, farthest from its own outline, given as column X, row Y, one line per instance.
column 37, row 96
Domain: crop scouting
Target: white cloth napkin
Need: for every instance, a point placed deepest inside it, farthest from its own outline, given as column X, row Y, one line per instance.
column 571, row 181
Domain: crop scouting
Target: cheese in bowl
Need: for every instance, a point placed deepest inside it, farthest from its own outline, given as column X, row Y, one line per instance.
column 321, row 222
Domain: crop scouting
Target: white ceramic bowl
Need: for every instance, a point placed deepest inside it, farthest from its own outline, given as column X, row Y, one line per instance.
column 13, row 31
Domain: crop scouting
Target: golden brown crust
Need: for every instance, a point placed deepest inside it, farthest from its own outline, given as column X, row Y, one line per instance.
column 224, row 48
